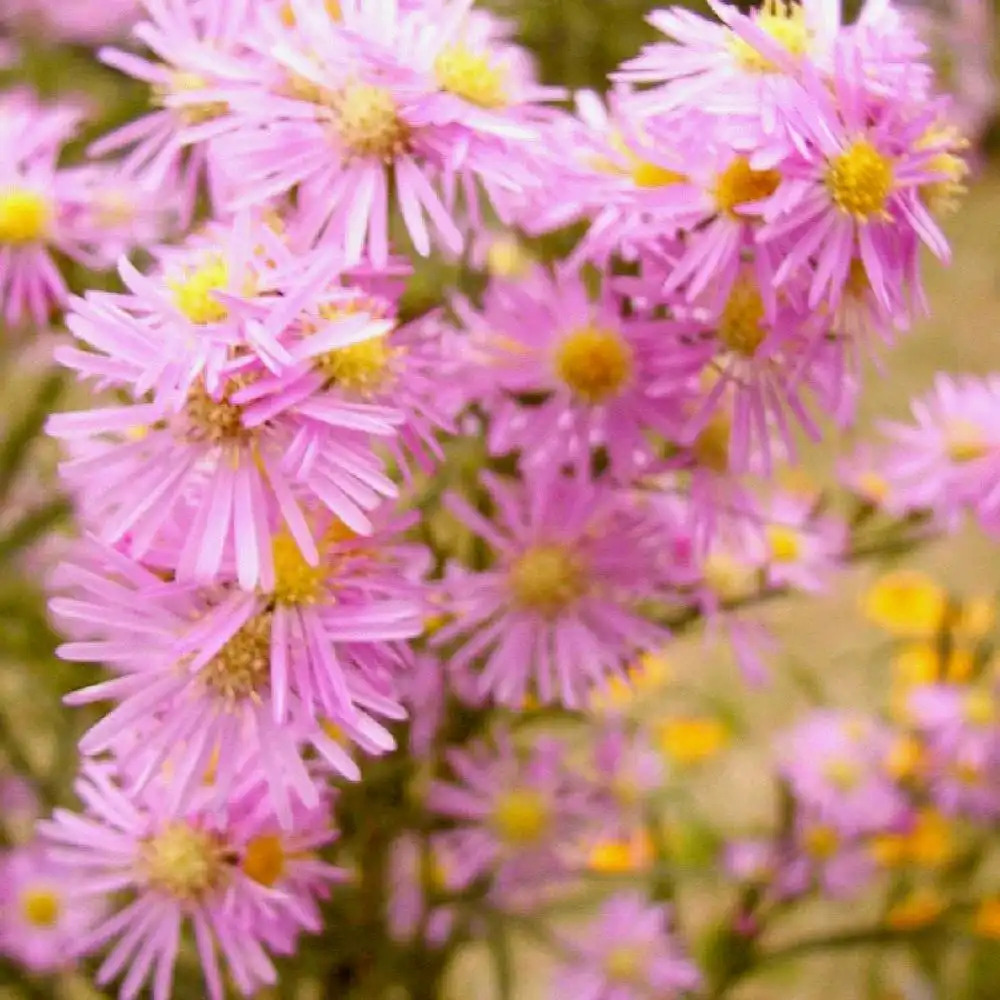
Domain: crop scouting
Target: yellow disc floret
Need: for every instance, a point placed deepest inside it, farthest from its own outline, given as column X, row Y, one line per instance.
column 785, row 23
column 472, row 76
column 367, row 121
column 194, row 292
column 594, row 362
column 213, row 421
column 295, row 581
column 547, row 579
column 264, row 859
column 860, row 181
column 40, row 906
column 25, row 216
column 739, row 183
column 361, row 368
column 521, row 817
column 741, row 326
column 783, row 543
column 243, row 666
column 182, row 860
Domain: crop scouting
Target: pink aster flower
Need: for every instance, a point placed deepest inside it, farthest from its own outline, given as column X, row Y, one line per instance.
column 593, row 375
column 628, row 953
column 516, row 815
column 175, row 869
column 226, row 675
column 837, row 767
column 85, row 22
column 383, row 96
column 196, row 58
column 419, row 870
column 820, row 856
column 804, row 547
column 212, row 445
column 557, row 611
column 948, row 459
column 40, row 920
column 852, row 190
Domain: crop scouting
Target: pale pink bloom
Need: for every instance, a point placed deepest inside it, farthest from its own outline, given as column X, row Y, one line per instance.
column 804, row 546
column 85, row 22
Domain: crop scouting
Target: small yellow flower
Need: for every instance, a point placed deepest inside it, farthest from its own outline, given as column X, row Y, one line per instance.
column 622, row 857
column 920, row 909
column 906, row 603
column 987, row 920
column 692, row 740
column 930, row 844
column 976, row 618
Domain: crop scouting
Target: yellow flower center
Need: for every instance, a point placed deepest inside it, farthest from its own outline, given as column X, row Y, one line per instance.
column 194, row 293
column 741, row 326
column 822, row 842
column 264, row 859
column 471, row 76
column 40, row 907
column 243, row 666
column 691, row 741
column 25, row 217
column 906, row 603
column 987, row 922
column 784, row 543
column 729, row 578
column 521, row 817
column 595, row 363
column 942, row 196
column 213, row 421
column 980, row 708
column 842, row 774
column 625, row 964
column 739, row 183
column 362, row 368
column 367, row 121
column 786, row 24
column 295, row 581
column 195, row 113
column 506, row 258
column 617, row 857
column 965, row 441
column 711, row 447
column 547, row 579
column 873, row 487
column 860, row 180
column 183, row 861
column 906, row 758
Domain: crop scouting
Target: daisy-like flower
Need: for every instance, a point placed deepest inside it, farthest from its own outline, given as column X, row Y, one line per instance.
column 628, row 953
column 557, row 612
column 592, row 375
column 223, row 675
column 852, row 189
column 803, row 547
column 837, row 767
column 383, row 97
column 44, row 210
column 516, row 814
column 40, row 921
column 196, row 57
column 211, row 444
column 946, row 460
column 174, row 869
column 819, row 855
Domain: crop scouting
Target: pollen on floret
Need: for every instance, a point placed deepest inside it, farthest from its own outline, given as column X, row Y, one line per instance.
column 183, row 860
column 25, row 216
column 362, row 368
column 739, row 184
column 40, row 907
column 784, row 544
column 741, row 326
column 625, row 964
column 965, row 441
column 242, row 668
column 194, row 293
column 264, row 859
column 785, row 23
column 521, row 817
column 860, row 181
column 213, row 421
column 471, row 75
column 594, row 362
column 547, row 579
column 368, row 122
column 296, row 582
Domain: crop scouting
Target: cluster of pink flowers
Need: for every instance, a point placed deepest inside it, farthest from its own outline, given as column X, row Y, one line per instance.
column 757, row 191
